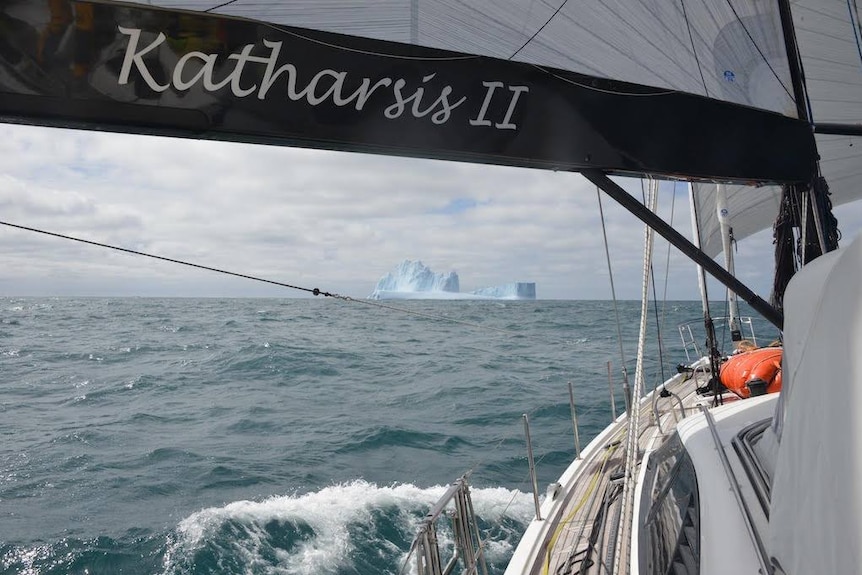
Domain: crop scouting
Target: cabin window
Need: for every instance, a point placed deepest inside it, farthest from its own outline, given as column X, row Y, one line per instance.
column 670, row 516
column 758, row 463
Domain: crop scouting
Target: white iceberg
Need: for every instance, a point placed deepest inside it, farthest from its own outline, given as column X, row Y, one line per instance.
column 414, row 280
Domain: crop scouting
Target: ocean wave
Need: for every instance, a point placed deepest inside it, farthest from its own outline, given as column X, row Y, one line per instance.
column 377, row 437
column 356, row 527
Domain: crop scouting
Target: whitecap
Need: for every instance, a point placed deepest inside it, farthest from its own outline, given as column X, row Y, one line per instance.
column 331, row 517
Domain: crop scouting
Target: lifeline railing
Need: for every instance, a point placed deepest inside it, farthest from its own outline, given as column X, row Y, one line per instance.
column 689, row 342
column 469, row 550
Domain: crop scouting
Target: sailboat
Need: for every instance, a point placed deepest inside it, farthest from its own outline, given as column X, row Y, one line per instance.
column 764, row 98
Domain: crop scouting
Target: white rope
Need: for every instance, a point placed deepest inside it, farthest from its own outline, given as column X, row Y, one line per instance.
column 623, row 541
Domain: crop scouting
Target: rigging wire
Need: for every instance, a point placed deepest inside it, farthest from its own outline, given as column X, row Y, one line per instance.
column 708, row 324
column 759, row 51
column 666, row 276
column 633, row 425
column 314, row 291
column 654, row 293
column 856, row 24
column 542, row 27
column 616, row 307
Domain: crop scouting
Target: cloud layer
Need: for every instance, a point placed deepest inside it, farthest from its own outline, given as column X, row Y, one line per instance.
column 331, row 220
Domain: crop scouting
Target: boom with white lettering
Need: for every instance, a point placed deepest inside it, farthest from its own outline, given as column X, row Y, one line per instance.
column 326, row 85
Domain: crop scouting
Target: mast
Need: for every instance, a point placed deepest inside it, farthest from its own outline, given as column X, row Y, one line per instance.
column 797, row 75
column 708, row 324
column 817, row 191
column 695, row 235
column 723, row 215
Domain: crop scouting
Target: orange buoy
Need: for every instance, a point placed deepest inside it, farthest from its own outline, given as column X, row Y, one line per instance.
column 763, row 364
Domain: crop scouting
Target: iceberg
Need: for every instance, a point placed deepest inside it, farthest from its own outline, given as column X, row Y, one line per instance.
column 416, row 277
column 514, row 290
column 415, row 280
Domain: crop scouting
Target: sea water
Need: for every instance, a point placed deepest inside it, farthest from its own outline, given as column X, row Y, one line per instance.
column 290, row 436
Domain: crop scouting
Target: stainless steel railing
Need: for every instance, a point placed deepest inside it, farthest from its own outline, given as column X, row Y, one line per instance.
column 469, row 550
column 457, row 505
column 689, row 341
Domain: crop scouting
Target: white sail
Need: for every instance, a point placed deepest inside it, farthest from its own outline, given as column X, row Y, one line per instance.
column 830, row 44
column 733, row 53
column 728, row 51
column 753, row 209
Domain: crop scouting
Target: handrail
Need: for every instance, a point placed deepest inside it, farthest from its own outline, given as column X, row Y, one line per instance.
column 690, row 342
column 762, row 556
column 666, row 393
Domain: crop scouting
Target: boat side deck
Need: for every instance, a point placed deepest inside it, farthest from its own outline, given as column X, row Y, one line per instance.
column 581, row 535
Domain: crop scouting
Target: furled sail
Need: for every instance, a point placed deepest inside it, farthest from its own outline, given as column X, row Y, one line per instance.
column 749, row 209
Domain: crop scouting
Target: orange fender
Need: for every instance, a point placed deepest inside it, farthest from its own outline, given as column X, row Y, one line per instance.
column 764, row 363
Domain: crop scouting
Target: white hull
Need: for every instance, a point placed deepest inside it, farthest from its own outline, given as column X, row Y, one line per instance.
column 777, row 476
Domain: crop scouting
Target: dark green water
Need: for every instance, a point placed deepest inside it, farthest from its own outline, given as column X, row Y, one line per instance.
column 285, row 436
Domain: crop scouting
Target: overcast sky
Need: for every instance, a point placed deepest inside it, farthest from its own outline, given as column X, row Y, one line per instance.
column 331, row 220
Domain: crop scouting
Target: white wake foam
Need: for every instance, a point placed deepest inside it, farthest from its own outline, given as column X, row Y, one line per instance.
column 329, row 513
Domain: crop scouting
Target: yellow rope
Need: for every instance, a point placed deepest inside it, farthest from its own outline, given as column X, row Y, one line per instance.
column 593, row 483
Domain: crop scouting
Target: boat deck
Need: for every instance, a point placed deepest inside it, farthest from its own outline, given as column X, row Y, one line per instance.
column 584, row 532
